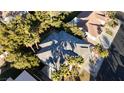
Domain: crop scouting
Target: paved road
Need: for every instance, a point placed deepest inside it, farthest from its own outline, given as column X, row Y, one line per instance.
column 113, row 66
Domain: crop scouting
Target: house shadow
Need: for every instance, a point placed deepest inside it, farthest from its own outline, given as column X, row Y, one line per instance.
column 84, row 14
column 82, row 23
column 5, row 67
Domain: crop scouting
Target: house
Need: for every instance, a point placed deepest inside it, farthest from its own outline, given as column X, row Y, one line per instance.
column 92, row 22
column 24, row 76
column 58, row 45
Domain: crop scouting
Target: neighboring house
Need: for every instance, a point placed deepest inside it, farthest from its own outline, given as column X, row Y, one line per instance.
column 92, row 23
column 24, row 76
column 58, row 45
column 6, row 16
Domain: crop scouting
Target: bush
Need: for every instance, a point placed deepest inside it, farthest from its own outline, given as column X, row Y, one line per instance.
column 102, row 52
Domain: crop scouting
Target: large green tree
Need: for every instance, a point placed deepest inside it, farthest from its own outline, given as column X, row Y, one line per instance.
column 20, row 37
column 15, row 38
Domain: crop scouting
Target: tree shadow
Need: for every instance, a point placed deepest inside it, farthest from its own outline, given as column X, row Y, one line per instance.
column 59, row 52
column 5, row 67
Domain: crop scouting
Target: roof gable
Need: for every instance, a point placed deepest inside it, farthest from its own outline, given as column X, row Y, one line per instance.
column 25, row 76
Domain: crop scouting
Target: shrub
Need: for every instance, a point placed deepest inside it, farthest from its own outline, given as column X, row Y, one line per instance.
column 102, row 52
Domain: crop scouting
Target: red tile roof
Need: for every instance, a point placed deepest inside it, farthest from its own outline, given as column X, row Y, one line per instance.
column 94, row 21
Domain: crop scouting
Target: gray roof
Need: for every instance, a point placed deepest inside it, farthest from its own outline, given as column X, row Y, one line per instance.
column 25, row 76
column 57, row 45
column 63, row 36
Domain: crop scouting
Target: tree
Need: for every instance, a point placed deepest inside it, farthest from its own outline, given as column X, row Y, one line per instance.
column 20, row 37
column 26, row 61
column 55, row 20
column 17, row 35
column 75, row 60
column 102, row 52
column 65, row 73
column 25, row 33
column 73, row 30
